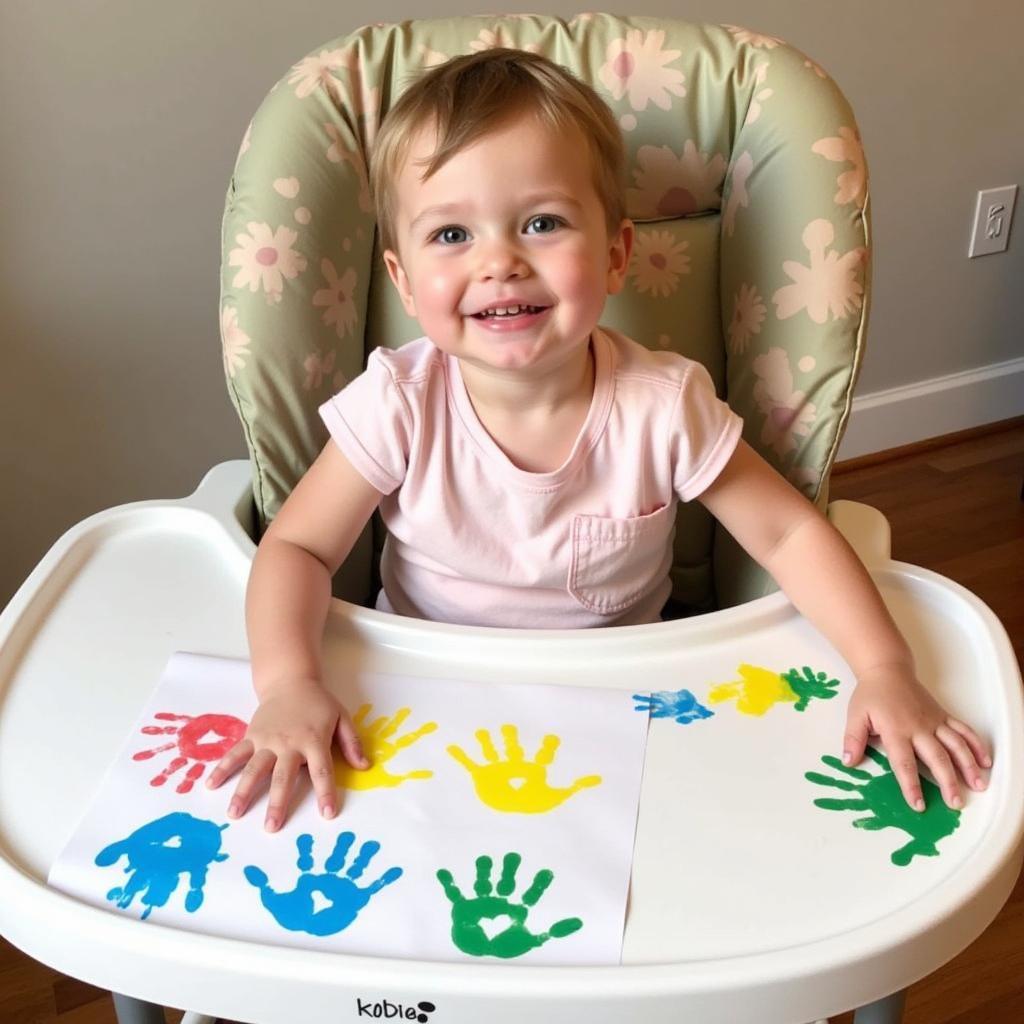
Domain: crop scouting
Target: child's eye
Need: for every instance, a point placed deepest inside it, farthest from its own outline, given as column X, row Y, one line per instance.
column 451, row 235
column 543, row 223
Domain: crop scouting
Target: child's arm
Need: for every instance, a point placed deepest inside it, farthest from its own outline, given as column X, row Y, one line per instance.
column 828, row 584
column 286, row 607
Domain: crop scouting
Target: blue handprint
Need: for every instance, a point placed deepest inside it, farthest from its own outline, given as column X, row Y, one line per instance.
column 678, row 704
column 158, row 854
column 296, row 910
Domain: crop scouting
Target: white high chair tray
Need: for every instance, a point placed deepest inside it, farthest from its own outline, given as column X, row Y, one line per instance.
column 748, row 901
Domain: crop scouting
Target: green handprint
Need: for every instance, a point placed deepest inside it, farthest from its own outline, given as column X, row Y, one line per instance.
column 881, row 794
column 516, row 939
column 810, row 684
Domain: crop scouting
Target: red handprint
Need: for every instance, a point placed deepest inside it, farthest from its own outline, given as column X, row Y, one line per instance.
column 194, row 744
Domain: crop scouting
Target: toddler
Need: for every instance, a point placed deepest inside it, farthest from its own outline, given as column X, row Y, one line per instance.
column 526, row 461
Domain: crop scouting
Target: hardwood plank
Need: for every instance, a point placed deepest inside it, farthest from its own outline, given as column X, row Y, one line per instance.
column 986, row 452
column 98, row 1011
column 997, row 1011
column 25, row 995
column 70, row 993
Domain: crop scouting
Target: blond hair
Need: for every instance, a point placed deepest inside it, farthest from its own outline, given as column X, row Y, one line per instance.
column 471, row 95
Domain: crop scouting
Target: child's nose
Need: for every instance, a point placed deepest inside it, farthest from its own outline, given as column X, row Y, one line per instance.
column 501, row 260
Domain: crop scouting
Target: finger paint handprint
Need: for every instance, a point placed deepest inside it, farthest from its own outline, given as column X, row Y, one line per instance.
column 158, row 854
column 759, row 689
column 468, row 913
column 298, row 910
column 202, row 739
column 756, row 690
column 515, row 785
column 810, row 684
column 882, row 796
column 380, row 748
column 678, row 704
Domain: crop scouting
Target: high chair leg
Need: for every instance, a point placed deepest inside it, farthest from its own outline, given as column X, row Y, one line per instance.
column 883, row 1011
column 130, row 1010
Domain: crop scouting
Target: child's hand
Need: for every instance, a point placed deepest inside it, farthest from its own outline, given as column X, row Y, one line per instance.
column 891, row 703
column 294, row 725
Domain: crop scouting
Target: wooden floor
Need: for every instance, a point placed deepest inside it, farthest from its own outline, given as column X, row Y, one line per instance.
column 955, row 509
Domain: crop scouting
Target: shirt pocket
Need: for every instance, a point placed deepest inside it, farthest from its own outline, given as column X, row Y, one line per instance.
column 615, row 562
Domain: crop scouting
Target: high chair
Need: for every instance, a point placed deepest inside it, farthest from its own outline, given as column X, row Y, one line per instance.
column 749, row 189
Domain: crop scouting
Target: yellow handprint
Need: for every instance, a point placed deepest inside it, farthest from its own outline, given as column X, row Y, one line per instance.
column 379, row 748
column 515, row 785
column 758, row 689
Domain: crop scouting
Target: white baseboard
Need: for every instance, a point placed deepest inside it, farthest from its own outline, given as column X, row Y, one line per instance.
column 930, row 408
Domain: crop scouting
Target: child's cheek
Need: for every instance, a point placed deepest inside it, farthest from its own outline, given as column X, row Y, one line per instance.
column 438, row 292
column 584, row 282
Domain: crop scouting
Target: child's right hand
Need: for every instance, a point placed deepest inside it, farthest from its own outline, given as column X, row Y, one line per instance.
column 294, row 724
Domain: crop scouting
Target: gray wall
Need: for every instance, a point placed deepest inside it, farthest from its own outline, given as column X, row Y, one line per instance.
column 120, row 123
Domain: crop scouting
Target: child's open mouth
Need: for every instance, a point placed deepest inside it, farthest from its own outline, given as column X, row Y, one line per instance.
column 510, row 317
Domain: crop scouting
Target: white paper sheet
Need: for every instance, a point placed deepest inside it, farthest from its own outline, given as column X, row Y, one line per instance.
column 157, row 844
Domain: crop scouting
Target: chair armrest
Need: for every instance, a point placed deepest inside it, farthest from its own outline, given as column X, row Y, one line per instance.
column 865, row 528
column 225, row 493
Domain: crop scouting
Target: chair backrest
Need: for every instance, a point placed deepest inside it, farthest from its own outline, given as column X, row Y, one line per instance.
column 747, row 183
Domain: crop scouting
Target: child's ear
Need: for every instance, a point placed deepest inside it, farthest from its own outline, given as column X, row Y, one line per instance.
column 619, row 249
column 400, row 280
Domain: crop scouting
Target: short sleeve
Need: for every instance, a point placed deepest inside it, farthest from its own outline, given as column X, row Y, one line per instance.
column 370, row 422
column 705, row 434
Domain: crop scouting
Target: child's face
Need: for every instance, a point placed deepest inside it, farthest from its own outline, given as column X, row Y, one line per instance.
column 514, row 219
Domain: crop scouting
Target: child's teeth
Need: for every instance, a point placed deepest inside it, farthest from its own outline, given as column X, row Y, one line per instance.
column 507, row 310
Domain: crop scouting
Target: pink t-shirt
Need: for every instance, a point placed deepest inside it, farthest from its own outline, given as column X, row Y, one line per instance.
column 473, row 539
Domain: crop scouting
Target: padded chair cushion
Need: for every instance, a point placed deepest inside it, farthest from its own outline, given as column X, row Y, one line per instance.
column 748, row 185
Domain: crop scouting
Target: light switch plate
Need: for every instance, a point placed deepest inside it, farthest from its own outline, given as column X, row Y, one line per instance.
column 992, row 217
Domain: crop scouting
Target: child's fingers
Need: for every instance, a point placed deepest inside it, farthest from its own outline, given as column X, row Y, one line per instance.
column 260, row 765
column 230, row 763
column 321, row 773
column 962, row 756
column 282, row 782
column 979, row 748
column 935, row 755
column 904, row 767
column 351, row 748
column 855, row 740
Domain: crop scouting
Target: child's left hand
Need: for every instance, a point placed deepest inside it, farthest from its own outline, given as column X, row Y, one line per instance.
column 890, row 702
